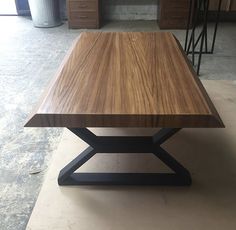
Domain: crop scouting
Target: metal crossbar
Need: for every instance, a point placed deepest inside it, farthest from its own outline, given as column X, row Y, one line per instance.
column 121, row 144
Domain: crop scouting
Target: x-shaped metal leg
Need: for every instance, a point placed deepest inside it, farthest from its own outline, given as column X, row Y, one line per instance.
column 124, row 144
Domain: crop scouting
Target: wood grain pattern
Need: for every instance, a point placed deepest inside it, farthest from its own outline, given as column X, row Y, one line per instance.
column 126, row 79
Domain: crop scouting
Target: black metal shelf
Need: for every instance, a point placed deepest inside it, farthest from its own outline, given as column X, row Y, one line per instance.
column 201, row 8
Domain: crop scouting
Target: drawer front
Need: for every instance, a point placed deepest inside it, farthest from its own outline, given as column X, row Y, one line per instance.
column 84, row 20
column 173, row 23
column 76, row 24
column 174, row 5
column 84, row 16
column 173, row 14
column 83, row 6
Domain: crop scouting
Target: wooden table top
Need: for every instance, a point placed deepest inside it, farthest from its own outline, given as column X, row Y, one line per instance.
column 126, row 79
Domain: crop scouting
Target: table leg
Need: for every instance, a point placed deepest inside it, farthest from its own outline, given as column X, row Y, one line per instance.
column 127, row 144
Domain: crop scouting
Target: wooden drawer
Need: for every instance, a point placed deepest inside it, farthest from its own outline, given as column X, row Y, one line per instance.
column 83, row 16
column 78, row 24
column 173, row 14
column 83, row 6
column 175, row 4
column 174, row 23
column 84, row 20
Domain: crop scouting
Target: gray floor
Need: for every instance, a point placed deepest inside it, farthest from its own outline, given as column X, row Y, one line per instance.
column 29, row 58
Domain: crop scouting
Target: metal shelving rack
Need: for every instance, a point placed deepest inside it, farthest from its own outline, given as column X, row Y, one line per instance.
column 201, row 7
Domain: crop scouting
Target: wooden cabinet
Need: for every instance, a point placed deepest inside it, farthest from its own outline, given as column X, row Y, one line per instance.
column 83, row 14
column 173, row 14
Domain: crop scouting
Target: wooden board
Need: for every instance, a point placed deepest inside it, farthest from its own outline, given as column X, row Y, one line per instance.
column 126, row 79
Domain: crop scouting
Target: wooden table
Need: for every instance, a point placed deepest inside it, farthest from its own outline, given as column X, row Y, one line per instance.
column 125, row 79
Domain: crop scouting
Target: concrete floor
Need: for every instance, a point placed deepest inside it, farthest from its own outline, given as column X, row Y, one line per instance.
column 29, row 58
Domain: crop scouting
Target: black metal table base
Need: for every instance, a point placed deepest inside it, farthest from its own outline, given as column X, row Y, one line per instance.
column 127, row 144
column 200, row 6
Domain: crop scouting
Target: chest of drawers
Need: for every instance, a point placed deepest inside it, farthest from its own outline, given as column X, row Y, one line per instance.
column 83, row 14
column 173, row 14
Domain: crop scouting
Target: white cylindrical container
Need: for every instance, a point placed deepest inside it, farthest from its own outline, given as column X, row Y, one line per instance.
column 45, row 13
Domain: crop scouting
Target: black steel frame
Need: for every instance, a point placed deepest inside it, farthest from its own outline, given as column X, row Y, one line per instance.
column 124, row 144
column 200, row 6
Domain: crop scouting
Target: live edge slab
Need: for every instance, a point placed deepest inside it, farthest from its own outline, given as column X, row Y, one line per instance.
column 125, row 79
